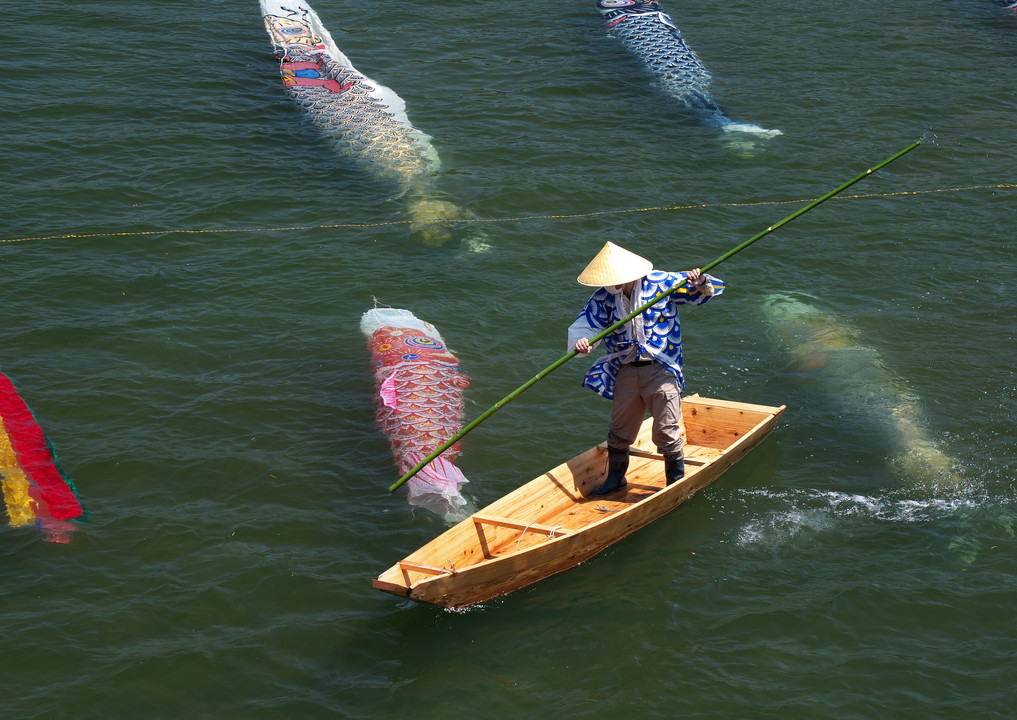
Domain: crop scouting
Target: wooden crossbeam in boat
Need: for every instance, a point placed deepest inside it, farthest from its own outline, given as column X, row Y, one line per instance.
column 520, row 525
column 653, row 455
column 417, row 567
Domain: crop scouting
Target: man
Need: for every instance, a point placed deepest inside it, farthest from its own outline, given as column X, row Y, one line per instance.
column 642, row 369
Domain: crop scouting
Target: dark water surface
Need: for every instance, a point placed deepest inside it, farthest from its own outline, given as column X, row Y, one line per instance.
column 185, row 264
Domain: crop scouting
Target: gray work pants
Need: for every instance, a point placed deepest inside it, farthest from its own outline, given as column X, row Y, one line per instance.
column 639, row 388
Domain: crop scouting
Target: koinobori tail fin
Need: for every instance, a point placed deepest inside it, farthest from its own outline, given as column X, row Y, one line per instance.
column 36, row 491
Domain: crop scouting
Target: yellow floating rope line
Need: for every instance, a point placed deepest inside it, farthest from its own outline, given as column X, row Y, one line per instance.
column 521, row 218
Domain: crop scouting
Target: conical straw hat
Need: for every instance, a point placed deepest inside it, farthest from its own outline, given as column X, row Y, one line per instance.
column 614, row 265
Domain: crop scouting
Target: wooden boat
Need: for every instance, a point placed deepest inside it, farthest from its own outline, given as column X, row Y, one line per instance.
column 552, row 523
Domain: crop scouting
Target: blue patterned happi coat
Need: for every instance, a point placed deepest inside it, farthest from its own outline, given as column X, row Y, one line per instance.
column 663, row 334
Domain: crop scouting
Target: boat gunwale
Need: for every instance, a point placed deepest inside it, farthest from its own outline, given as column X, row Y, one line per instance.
column 577, row 534
column 611, row 515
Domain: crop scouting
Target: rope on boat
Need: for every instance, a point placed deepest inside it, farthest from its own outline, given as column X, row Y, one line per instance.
column 550, row 533
column 523, row 533
column 478, row 221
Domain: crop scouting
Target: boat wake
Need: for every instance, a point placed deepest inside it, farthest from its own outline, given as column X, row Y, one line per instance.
column 798, row 518
column 751, row 129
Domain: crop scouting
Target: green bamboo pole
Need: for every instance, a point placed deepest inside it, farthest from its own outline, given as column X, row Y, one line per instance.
column 607, row 331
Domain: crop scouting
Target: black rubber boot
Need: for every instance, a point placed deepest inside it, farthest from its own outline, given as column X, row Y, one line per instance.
column 617, row 464
column 674, row 466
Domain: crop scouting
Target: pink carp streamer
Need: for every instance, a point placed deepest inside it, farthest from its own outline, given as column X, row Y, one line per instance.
column 37, row 493
column 420, row 404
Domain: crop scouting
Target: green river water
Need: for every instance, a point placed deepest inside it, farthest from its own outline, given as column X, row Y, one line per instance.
column 185, row 263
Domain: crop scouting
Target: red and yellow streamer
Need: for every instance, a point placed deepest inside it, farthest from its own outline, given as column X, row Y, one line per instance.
column 36, row 492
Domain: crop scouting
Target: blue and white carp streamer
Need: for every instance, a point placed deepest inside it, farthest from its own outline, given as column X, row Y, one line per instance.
column 649, row 33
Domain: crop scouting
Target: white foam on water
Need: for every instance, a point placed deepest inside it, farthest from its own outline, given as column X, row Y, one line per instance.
column 808, row 513
column 750, row 128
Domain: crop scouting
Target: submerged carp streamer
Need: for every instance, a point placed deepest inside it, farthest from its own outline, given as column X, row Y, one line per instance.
column 827, row 352
column 420, row 404
column 364, row 120
column 36, row 491
column 648, row 32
